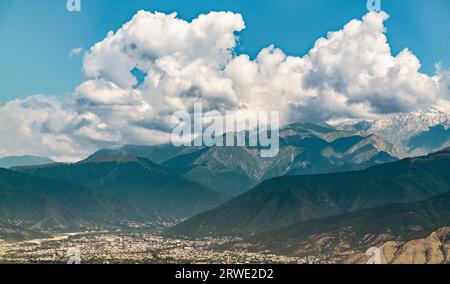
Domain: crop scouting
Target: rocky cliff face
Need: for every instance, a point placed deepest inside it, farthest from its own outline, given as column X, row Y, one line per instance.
column 434, row 249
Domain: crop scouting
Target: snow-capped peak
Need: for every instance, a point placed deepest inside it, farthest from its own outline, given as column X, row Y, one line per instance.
column 411, row 122
column 398, row 129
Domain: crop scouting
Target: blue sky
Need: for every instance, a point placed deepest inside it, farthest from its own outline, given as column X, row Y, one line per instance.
column 36, row 36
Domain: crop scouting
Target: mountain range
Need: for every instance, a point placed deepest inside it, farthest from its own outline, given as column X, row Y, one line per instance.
column 359, row 230
column 137, row 181
column 51, row 204
column 306, row 148
column 288, row 200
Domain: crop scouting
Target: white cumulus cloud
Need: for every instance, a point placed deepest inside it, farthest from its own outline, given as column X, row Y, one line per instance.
column 350, row 73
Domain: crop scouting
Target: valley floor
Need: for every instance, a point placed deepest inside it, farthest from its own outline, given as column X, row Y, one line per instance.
column 113, row 247
column 147, row 248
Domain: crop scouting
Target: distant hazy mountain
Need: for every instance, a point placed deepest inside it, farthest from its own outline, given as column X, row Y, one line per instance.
column 287, row 200
column 304, row 149
column 411, row 134
column 52, row 204
column 137, row 181
column 18, row 161
column 155, row 153
column 347, row 234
